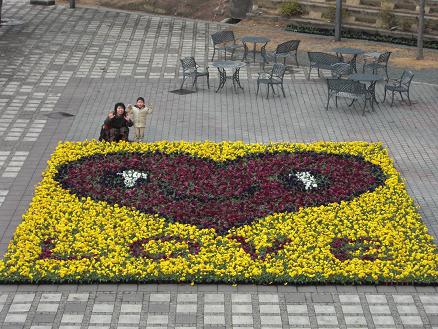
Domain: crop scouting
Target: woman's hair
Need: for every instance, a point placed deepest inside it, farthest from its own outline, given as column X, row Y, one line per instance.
column 121, row 105
column 140, row 99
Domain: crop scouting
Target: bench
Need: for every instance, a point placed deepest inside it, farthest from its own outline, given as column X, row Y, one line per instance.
column 350, row 89
column 321, row 61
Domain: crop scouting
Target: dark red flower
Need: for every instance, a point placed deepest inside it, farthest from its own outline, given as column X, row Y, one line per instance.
column 220, row 195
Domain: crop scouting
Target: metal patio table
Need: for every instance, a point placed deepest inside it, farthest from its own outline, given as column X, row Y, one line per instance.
column 255, row 40
column 371, row 56
column 349, row 51
column 372, row 79
column 233, row 66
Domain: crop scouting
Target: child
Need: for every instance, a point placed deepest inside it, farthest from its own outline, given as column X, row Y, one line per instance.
column 116, row 126
column 138, row 114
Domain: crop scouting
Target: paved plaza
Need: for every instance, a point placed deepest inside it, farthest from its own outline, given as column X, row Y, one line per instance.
column 82, row 61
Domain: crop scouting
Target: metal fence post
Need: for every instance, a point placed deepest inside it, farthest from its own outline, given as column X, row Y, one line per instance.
column 420, row 38
column 338, row 20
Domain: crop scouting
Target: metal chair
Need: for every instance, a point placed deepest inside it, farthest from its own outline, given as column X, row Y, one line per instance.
column 350, row 89
column 224, row 41
column 321, row 61
column 275, row 77
column 284, row 50
column 191, row 70
column 340, row 70
column 401, row 85
column 380, row 63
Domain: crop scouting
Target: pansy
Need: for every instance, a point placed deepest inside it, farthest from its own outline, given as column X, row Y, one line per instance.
column 221, row 212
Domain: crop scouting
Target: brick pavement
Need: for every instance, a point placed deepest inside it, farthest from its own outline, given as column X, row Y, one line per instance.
column 82, row 61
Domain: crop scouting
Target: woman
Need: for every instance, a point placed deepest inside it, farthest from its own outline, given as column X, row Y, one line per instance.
column 116, row 126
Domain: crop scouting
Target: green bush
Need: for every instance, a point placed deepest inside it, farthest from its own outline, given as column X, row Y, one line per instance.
column 362, row 35
column 388, row 19
column 290, row 9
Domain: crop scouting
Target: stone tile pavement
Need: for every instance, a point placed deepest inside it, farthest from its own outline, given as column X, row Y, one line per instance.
column 212, row 306
column 82, row 61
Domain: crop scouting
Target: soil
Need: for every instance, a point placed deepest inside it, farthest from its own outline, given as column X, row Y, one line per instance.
column 217, row 10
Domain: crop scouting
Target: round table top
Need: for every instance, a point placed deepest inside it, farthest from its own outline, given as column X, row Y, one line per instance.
column 348, row 51
column 365, row 77
column 254, row 39
column 228, row 64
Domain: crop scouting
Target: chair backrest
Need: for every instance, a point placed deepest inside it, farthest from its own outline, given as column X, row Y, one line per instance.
column 346, row 86
column 188, row 64
column 322, row 58
column 287, row 47
column 341, row 69
column 278, row 70
column 406, row 78
column 223, row 37
column 384, row 57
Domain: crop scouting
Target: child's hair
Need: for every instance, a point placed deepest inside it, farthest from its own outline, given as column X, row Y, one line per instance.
column 121, row 105
column 140, row 99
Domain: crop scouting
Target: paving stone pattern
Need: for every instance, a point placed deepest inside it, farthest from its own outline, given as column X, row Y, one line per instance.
column 82, row 61
column 153, row 306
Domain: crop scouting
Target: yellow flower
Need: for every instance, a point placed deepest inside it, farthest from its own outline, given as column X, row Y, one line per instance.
column 66, row 238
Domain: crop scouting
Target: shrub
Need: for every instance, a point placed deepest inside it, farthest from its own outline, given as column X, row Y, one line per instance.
column 330, row 14
column 362, row 35
column 291, row 8
column 387, row 19
column 431, row 24
column 405, row 24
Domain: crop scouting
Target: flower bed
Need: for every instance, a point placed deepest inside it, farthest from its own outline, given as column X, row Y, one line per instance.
column 221, row 212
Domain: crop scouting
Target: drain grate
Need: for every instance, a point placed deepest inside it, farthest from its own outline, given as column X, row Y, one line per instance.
column 59, row 115
column 182, row 91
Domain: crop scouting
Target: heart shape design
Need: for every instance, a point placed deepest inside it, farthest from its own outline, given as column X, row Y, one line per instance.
column 220, row 195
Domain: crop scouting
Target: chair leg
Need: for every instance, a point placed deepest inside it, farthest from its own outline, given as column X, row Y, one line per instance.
column 328, row 101
column 336, row 101
column 182, row 84
column 214, row 51
column 319, row 73
column 282, row 89
column 258, row 86
column 296, row 58
column 392, row 99
column 310, row 70
column 267, row 95
column 386, row 71
column 364, row 107
column 208, row 81
column 401, row 96
column 273, row 91
column 194, row 83
column 409, row 99
column 384, row 97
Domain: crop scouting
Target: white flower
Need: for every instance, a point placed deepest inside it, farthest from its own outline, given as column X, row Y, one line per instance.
column 306, row 178
column 131, row 176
